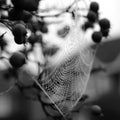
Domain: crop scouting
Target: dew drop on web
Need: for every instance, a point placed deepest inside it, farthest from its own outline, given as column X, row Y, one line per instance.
column 65, row 76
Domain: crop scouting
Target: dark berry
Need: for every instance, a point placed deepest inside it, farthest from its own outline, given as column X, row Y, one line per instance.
column 29, row 5
column 43, row 27
column 97, row 37
column 19, row 31
column 104, row 24
column 32, row 39
column 16, row 14
column 87, row 25
column 17, row 60
column 92, row 16
column 19, row 40
column 94, row 6
column 105, row 32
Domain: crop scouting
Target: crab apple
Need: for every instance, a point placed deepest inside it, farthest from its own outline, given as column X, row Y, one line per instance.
column 17, row 59
column 104, row 24
column 94, row 6
column 19, row 31
column 16, row 14
column 92, row 16
column 29, row 5
column 97, row 36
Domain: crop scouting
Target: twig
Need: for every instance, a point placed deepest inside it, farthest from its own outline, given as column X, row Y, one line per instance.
column 6, row 23
column 8, row 90
column 58, row 14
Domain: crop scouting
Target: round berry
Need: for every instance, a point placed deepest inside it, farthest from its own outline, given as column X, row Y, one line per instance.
column 105, row 32
column 96, row 110
column 87, row 25
column 43, row 27
column 16, row 14
column 94, row 6
column 19, row 31
column 104, row 24
column 20, row 39
column 32, row 39
column 35, row 38
column 17, row 60
column 91, row 16
column 97, row 36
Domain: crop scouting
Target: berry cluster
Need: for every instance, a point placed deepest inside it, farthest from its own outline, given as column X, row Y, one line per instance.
column 21, row 18
column 92, row 18
column 92, row 15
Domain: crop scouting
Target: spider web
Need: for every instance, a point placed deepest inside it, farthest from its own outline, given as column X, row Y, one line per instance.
column 65, row 82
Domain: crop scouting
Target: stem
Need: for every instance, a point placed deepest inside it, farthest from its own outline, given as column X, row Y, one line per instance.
column 68, row 9
column 8, row 90
column 6, row 24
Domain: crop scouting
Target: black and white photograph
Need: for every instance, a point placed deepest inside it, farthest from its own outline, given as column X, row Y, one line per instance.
column 59, row 60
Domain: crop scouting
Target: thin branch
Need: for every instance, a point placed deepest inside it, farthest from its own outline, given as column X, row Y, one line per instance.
column 7, row 24
column 8, row 90
column 68, row 9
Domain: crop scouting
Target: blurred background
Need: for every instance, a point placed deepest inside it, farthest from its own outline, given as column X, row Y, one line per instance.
column 103, row 87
